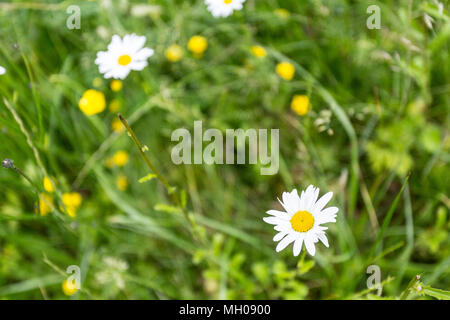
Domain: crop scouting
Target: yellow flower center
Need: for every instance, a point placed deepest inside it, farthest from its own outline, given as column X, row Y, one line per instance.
column 124, row 60
column 302, row 221
column 227, row 1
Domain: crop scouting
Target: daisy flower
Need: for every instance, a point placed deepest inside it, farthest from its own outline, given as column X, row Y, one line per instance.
column 301, row 223
column 123, row 55
column 2, row 70
column 223, row 8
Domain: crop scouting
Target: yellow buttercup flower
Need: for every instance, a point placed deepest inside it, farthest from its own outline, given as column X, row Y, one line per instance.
column 72, row 201
column 258, row 51
column 120, row 158
column 114, row 106
column 197, row 45
column 122, row 182
column 97, row 82
column 174, row 53
column 69, row 288
column 48, row 185
column 117, row 125
column 285, row 70
column 300, row 104
column 282, row 13
column 92, row 102
column 45, row 204
column 116, row 85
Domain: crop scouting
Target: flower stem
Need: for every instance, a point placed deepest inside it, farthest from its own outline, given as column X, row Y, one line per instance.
column 170, row 190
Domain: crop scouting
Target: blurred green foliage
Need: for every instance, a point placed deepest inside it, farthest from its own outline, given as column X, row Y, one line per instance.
column 390, row 87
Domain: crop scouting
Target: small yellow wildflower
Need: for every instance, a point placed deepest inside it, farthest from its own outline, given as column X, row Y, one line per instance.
column 48, row 185
column 285, row 70
column 282, row 13
column 109, row 162
column 117, row 125
column 174, row 53
column 71, row 201
column 116, row 85
column 122, row 182
column 197, row 45
column 45, row 204
column 258, row 51
column 69, row 288
column 114, row 106
column 92, row 102
column 120, row 158
column 300, row 104
column 97, row 82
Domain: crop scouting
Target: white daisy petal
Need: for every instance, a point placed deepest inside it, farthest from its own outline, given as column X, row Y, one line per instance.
column 2, row 70
column 323, row 239
column 279, row 214
column 272, row 220
column 279, row 236
column 144, row 54
column 286, row 241
column 298, row 246
column 322, row 202
column 310, row 247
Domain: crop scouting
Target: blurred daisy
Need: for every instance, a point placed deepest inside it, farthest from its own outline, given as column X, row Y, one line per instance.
column 123, row 55
column 2, row 70
column 223, row 8
column 301, row 223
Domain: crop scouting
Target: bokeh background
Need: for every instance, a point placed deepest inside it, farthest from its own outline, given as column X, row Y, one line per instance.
column 379, row 110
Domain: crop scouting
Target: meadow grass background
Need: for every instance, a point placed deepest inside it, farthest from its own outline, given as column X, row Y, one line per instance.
column 388, row 95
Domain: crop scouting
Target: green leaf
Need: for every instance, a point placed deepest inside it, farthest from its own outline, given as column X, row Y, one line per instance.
column 436, row 293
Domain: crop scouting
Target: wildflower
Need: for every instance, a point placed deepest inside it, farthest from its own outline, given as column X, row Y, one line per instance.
column 116, row 85
column 123, row 55
column 45, row 204
column 114, row 106
column 223, row 8
column 48, row 184
column 258, row 51
column 174, row 53
column 197, row 45
column 117, row 125
column 120, row 158
column 285, row 70
column 122, row 182
column 8, row 163
column 97, row 82
column 2, row 70
column 71, row 201
column 282, row 13
column 92, row 102
column 69, row 288
column 302, row 220
column 300, row 104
